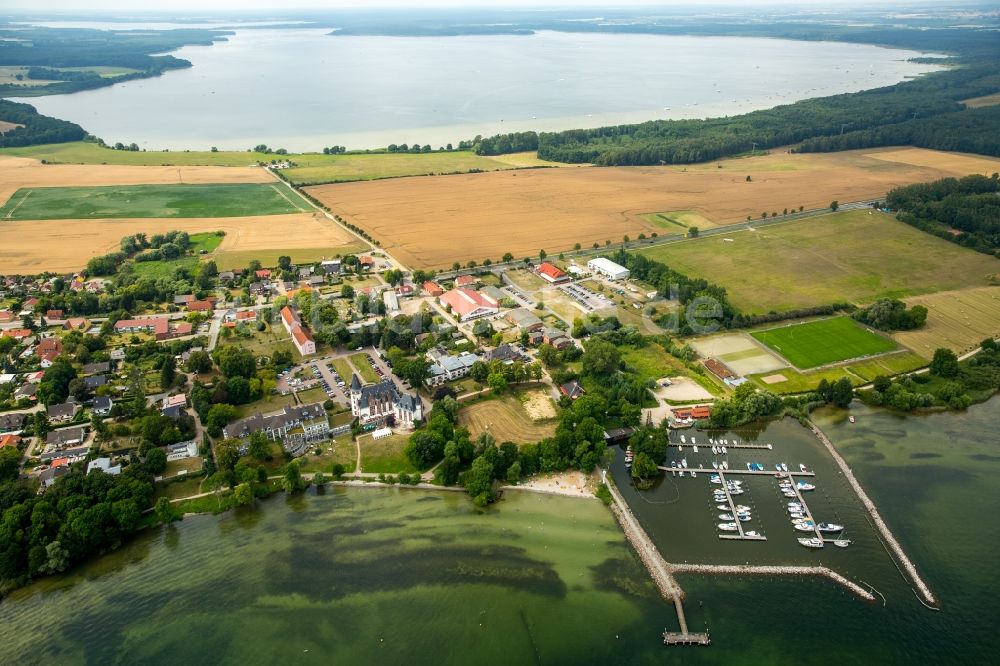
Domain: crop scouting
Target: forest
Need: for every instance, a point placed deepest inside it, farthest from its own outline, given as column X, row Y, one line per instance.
column 687, row 141
column 34, row 127
column 962, row 210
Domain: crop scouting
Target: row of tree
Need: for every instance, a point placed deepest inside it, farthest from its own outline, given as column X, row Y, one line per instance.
column 33, row 128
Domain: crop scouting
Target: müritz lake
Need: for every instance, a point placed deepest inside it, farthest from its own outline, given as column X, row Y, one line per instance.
column 392, row 576
column 302, row 89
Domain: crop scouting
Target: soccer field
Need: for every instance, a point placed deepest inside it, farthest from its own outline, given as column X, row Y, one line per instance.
column 817, row 343
column 152, row 201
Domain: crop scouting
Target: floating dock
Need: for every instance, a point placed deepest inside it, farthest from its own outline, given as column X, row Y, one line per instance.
column 742, row 536
column 753, row 472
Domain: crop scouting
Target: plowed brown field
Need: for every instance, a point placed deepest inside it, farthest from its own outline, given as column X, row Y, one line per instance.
column 432, row 221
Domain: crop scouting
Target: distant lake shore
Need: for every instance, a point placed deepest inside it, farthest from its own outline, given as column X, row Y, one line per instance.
column 301, row 89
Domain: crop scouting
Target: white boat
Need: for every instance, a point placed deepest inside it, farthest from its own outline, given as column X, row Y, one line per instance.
column 812, row 542
column 851, row 418
column 728, row 527
column 725, row 516
column 684, row 462
column 802, row 468
column 692, row 440
column 722, row 507
column 715, row 465
column 806, row 527
column 723, row 449
column 748, row 466
column 777, row 467
column 682, row 473
column 842, row 543
column 784, row 467
column 752, row 533
column 829, row 527
column 769, row 447
column 695, row 448
column 693, row 473
column 788, row 493
column 796, row 514
column 742, row 508
column 725, row 464
column 736, row 492
column 802, row 485
column 683, row 439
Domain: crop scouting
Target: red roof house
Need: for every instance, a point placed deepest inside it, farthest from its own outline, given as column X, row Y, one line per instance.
column 550, row 273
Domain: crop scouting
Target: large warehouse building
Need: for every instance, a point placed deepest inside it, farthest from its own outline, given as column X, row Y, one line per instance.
column 608, row 268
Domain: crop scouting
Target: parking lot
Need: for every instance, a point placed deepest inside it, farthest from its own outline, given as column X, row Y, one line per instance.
column 583, row 297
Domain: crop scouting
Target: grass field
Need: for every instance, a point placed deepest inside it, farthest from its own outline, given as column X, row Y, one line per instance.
column 485, row 215
column 310, row 167
column 652, row 361
column 958, row 320
column 163, row 269
column 365, row 371
column 825, row 341
column 205, row 241
column 860, row 372
column 136, row 201
column 385, row 455
column 848, row 256
column 343, row 369
column 229, row 259
column 506, row 419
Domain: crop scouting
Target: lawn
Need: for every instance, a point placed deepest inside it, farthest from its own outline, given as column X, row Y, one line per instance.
column 385, row 455
column 267, row 405
column 152, row 201
column 163, row 269
column 232, row 259
column 860, row 372
column 652, row 361
column 360, row 363
column 205, row 241
column 312, row 395
column 824, row 341
column 343, row 369
column 678, row 220
column 849, row 256
column 341, row 451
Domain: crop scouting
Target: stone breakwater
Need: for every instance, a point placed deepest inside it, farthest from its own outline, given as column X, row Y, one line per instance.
column 764, row 570
column 887, row 536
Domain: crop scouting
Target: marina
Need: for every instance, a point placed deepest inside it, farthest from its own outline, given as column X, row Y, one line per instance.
column 742, row 534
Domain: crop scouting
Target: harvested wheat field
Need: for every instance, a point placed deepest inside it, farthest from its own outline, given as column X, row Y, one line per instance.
column 429, row 222
column 18, row 172
column 506, row 419
column 958, row 320
column 33, row 246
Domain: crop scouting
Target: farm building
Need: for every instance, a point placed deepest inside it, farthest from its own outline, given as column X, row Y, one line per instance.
column 524, row 319
column 608, row 268
column 433, row 288
column 465, row 280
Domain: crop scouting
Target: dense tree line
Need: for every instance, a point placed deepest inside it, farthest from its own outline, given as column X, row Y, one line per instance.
column 889, row 314
column 963, row 210
column 916, row 111
column 35, row 128
column 967, row 131
column 501, row 144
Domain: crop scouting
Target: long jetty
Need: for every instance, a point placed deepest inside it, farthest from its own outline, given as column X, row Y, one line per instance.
column 751, row 472
column 921, row 587
column 766, row 570
column 658, row 568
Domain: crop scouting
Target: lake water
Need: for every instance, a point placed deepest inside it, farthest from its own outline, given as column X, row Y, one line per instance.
column 405, row 576
column 301, row 89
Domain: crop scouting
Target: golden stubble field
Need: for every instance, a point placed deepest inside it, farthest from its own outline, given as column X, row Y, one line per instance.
column 429, row 222
column 958, row 320
column 18, row 172
column 33, row 246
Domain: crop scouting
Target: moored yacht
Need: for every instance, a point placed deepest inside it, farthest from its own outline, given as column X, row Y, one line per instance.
column 829, row 527
column 728, row 527
column 812, row 542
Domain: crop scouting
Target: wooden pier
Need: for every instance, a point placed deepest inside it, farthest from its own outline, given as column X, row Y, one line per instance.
column 752, row 472
column 674, row 638
column 732, row 511
column 766, row 447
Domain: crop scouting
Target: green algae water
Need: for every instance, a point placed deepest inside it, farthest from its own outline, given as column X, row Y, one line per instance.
column 366, row 575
